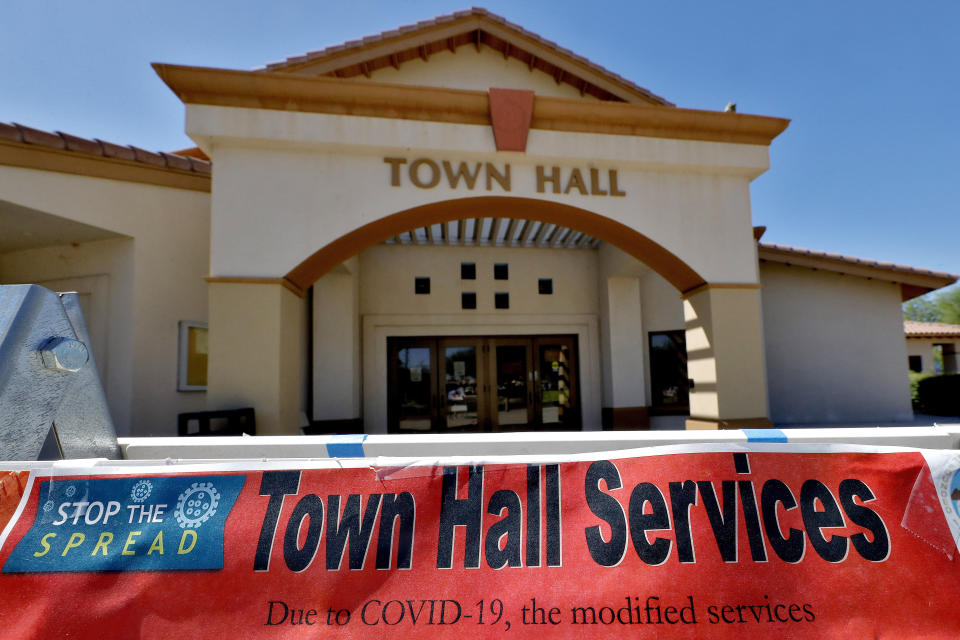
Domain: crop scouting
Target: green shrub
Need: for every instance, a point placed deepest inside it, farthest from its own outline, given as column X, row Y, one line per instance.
column 940, row 395
column 915, row 378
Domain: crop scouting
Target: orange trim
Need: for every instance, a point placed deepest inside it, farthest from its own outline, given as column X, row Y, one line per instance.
column 672, row 268
column 510, row 112
column 720, row 285
column 28, row 156
column 193, row 152
column 284, row 282
column 284, row 92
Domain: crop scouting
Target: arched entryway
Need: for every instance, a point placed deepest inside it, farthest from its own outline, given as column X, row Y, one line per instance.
column 722, row 322
column 629, row 240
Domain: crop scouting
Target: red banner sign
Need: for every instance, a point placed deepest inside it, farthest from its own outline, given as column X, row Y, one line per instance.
column 764, row 542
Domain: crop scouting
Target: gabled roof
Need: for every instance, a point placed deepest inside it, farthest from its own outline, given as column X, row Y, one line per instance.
column 913, row 280
column 30, row 148
column 916, row 329
column 474, row 27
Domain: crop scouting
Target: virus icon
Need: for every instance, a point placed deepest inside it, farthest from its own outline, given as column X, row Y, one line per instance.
column 70, row 491
column 197, row 504
column 48, row 506
column 141, row 491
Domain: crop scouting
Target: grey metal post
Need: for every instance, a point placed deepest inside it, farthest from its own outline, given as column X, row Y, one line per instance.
column 48, row 377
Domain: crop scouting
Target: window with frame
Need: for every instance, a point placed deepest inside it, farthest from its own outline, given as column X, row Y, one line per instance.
column 192, row 360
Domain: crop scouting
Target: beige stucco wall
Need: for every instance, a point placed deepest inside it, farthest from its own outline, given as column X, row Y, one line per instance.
column 336, row 329
column 834, row 347
column 478, row 70
column 388, row 272
column 155, row 280
column 288, row 184
column 389, row 307
column 261, row 332
column 662, row 311
column 924, row 349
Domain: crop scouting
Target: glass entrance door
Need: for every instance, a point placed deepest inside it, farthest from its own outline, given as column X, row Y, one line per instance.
column 556, row 388
column 514, row 380
column 480, row 383
column 461, row 391
column 669, row 385
column 412, row 403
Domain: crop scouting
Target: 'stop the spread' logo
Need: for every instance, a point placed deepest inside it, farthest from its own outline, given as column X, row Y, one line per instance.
column 128, row 524
column 949, row 487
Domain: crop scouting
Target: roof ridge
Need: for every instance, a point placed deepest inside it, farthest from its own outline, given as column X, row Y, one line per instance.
column 23, row 134
column 317, row 54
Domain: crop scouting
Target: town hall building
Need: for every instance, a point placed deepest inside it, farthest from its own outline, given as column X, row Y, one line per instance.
column 453, row 226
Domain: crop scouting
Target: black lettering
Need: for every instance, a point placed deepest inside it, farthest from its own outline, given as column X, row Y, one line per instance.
column 509, row 526
column 789, row 549
column 878, row 549
column 363, row 613
column 466, row 512
column 724, row 528
column 309, row 507
column 795, row 608
column 270, row 621
column 275, row 484
column 554, row 530
column 682, row 497
column 386, row 607
column 395, row 506
column 834, row 549
column 533, row 515
column 640, row 522
column 607, row 508
column 583, row 611
column 349, row 528
column 751, row 518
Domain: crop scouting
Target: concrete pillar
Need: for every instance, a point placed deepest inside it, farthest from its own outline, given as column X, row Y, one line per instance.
column 725, row 358
column 258, row 353
column 624, row 387
column 336, row 349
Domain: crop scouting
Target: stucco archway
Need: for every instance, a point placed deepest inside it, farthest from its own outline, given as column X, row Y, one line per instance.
column 723, row 321
column 625, row 238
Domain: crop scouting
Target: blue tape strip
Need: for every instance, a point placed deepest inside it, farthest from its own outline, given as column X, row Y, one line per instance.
column 346, row 446
column 764, row 435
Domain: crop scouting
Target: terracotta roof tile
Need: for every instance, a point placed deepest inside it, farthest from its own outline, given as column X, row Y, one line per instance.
column 312, row 56
column 148, row 157
column 96, row 147
column 75, row 143
column 836, row 257
column 200, row 166
column 916, row 329
column 9, row 132
column 38, row 137
column 111, row 150
column 176, row 162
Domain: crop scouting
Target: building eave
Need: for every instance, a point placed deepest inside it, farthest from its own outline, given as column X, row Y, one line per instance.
column 913, row 281
column 285, row 92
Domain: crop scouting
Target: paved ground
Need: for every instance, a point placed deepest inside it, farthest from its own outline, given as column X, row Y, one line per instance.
column 667, row 423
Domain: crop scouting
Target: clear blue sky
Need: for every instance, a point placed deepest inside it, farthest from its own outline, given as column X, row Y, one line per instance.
column 870, row 165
